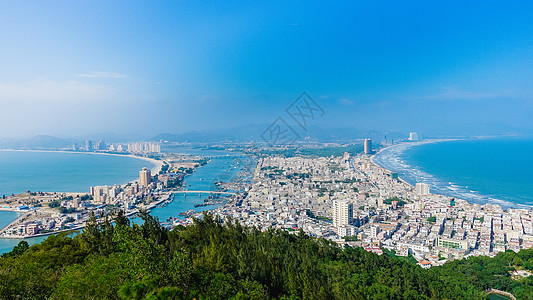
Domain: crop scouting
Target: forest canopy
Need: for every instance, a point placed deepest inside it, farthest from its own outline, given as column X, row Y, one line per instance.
column 220, row 259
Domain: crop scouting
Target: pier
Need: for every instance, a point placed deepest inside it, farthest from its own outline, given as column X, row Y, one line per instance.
column 224, row 156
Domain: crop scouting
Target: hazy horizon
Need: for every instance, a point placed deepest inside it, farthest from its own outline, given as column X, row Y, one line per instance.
column 142, row 69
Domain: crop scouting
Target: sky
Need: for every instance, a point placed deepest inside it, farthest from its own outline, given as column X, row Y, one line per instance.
column 73, row 68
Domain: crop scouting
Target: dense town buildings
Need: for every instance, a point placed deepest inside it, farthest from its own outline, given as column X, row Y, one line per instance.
column 353, row 201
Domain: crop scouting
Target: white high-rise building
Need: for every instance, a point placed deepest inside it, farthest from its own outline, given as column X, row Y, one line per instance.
column 114, row 191
column 413, row 136
column 100, row 193
column 105, row 194
column 88, row 145
column 342, row 212
column 422, row 189
column 144, row 147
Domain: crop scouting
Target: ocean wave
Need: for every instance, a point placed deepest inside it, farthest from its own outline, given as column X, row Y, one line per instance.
column 392, row 159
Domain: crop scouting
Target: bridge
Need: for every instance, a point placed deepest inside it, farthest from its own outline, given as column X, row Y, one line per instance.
column 204, row 192
column 231, row 156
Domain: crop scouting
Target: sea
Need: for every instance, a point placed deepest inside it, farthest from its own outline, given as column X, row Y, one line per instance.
column 21, row 171
column 75, row 172
column 479, row 170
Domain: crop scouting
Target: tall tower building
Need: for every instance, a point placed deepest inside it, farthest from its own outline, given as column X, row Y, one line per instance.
column 413, row 136
column 342, row 212
column 368, row 146
column 145, row 177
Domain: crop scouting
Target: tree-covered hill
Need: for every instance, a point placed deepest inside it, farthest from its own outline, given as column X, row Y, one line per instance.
column 211, row 260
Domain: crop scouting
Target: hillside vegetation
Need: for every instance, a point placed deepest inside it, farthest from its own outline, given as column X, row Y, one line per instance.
column 223, row 260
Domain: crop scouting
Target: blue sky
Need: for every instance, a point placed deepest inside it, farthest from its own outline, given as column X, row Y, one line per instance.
column 71, row 68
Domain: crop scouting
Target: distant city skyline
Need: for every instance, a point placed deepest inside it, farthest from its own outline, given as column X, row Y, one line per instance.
column 77, row 69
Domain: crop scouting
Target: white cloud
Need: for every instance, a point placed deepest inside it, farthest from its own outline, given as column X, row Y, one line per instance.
column 346, row 101
column 47, row 91
column 456, row 93
column 100, row 74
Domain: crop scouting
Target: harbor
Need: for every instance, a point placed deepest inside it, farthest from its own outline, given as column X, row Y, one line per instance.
column 205, row 188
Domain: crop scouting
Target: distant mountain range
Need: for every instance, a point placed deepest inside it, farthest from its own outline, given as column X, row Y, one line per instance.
column 253, row 133
column 235, row 134
column 42, row 142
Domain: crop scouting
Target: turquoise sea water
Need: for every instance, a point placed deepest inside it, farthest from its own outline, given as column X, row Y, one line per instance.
column 498, row 297
column 495, row 170
column 7, row 217
column 64, row 172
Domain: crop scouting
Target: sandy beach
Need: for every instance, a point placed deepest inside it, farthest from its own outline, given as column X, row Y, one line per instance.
column 409, row 145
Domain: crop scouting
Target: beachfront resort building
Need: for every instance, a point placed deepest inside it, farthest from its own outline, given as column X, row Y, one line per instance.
column 422, row 189
column 413, row 137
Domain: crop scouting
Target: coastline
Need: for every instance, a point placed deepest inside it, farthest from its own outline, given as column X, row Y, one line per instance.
column 23, row 237
column 128, row 214
column 455, row 189
column 10, row 209
column 411, row 144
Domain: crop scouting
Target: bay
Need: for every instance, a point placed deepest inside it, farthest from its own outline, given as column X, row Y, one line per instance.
column 63, row 171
